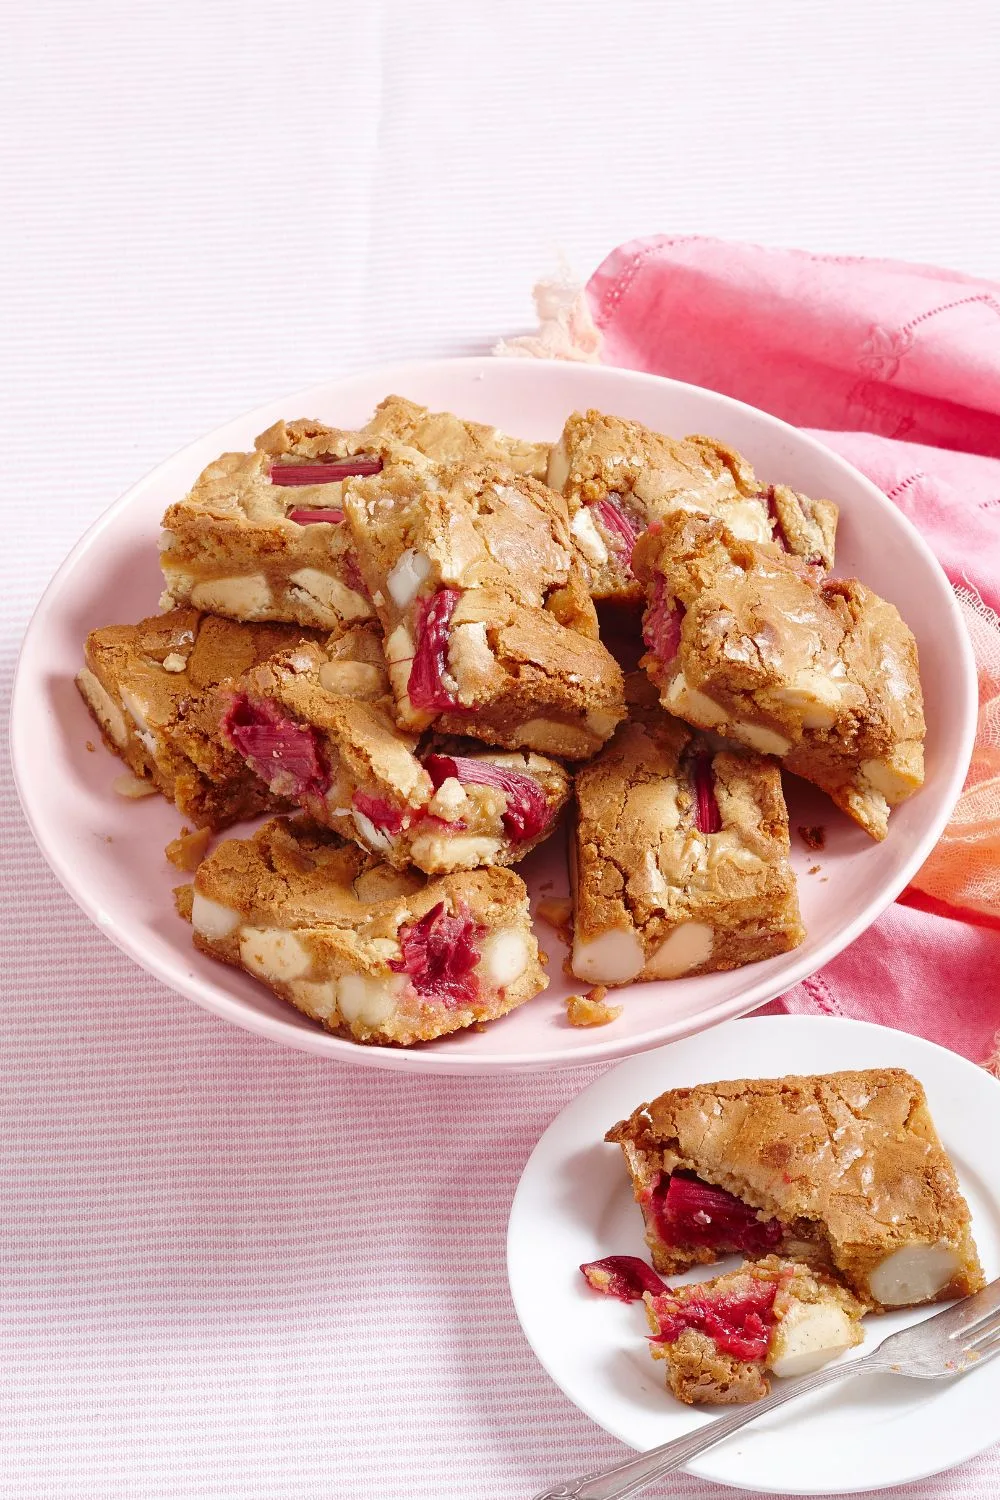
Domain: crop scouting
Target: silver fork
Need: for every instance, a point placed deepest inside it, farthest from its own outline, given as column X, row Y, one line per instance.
column 960, row 1338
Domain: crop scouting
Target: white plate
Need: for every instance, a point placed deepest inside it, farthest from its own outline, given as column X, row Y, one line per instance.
column 574, row 1204
column 108, row 852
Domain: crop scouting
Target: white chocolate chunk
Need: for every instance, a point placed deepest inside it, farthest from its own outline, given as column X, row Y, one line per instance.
column 614, row 957
column 274, row 953
column 815, row 695
column 329, row 600
column 165, row 540
column 318, row 998
column 174, row 662
column 748, row 519
column 460, row 851
column 132, row 787
column 469, row 653
column 352, row 679
column 558, row 470
column 105, row 709
column 914, row 1274
column 505, row 957
column 588, row 537
column 449, row 801
column 370, row 1001
column 136, row 711
column 686, row 948
column 375, row 838
column 809, row 1336
column 407, row 576
column 244, row 597
column 892, row 783
column 602, row 723
column 211, row 919
column 690, row 703
column 767, row 741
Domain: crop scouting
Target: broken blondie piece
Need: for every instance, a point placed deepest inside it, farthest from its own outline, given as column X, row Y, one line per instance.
column 381, row 955
column 316, row 724
column 489, row 628
column 756, row 646
column 261, row 535
column 842, row 1170
column 721, row 1339
column 150, row 688
column 679, row 861
column 618, row 476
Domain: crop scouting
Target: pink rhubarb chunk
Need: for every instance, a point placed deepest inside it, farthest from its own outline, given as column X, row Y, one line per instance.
column 284, row 754
column 386, row 817
column 329, row 473
column 623, row 1276
column 661, row 625
column 739, row 1323
column 303, row 517
column 687, row 1211
column 619, row 527
column 527, row 811
column 430, row 658
column 440, row 956
column 706, row 808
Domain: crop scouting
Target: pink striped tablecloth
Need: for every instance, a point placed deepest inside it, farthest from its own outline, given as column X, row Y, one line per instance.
column 233, row 1271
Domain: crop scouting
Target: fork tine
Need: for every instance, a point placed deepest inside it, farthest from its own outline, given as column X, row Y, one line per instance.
column 973, row 1358
column 983, row 1332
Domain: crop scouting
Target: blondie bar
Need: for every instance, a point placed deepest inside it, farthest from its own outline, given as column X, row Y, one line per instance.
column 842, row 1170
column 317, row 725
column 721, row 1339
column 150, row 688
column 260, row 536
column 618, row 476
column 489, row 629
column 382, row 955
column 759, row 647
column 679, row 862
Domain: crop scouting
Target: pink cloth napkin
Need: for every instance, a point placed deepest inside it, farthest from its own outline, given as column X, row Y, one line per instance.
column 900, row 367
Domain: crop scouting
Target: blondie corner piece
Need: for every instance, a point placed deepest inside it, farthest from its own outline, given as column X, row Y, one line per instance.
column 489, row 629
column 317, row 725
column 758, row 647
column 842, row 1170
column 374, row 953
column 722, row 1339
column 150, row 688
column 679, row 858
column 617, row 476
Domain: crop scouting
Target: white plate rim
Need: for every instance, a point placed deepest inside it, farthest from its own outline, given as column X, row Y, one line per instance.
column 538, row 1170
column 212, row 998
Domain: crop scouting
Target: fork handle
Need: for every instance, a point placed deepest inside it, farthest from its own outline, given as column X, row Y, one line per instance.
column 628, row 1478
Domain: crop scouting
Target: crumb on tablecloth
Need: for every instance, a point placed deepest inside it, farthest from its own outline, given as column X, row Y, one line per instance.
column 188, row 849
column 590, row 1009
column 813, row 835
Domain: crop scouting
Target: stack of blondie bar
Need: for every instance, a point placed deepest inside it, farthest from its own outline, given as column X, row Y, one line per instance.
column 393, row 633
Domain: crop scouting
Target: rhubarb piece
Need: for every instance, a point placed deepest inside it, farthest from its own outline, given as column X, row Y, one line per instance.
column 618, row 477
column 698, row 843
column 819, row 672
column 623, row 1276
column 526, row 813
column 151, row 688
column 284, row 753
column 426, row 686
column 706, row 807
column 440, row 955
column 328, row 517
column 328, row 473
column 361, row 775
column 722, row 1339
column 380, row 955
column 661, row 625
column 841, row 1170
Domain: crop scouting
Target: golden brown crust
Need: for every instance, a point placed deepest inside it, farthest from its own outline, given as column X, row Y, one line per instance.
column 647, row 475
column 652, row 893
column 322, row 923
column 821, row 672
column 849, row 1163
column 159, row 677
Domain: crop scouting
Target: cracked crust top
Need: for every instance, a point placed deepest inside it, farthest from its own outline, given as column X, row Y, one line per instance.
column 759, row 647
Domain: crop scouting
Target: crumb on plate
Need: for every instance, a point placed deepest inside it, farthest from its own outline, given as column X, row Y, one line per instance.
column 590, row 1009
column 813, row 835
column 188, row 849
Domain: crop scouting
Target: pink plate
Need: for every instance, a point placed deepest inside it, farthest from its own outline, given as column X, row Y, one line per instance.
column 108, row 851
